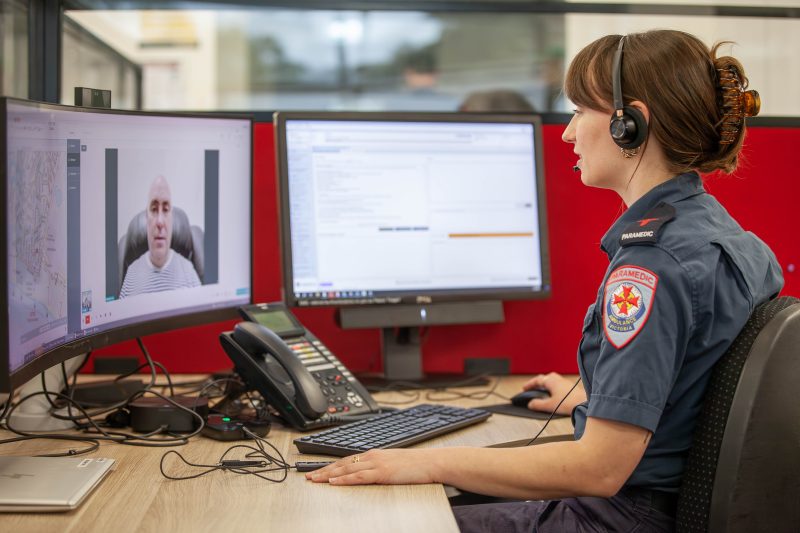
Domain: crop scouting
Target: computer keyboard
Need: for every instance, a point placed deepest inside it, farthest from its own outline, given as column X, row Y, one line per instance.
column 396, row 429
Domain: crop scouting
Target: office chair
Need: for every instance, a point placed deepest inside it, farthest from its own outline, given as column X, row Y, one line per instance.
column 743, row 470
column 187, row 240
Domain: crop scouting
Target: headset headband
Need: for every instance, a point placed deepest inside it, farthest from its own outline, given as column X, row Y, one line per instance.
column 616, row 74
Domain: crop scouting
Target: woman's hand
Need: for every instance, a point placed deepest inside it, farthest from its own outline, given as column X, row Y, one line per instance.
column 382, row 467
column 558, row 386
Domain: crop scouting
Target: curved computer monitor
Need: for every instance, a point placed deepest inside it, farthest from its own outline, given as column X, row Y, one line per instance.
column 116, row 225
column 409, row 219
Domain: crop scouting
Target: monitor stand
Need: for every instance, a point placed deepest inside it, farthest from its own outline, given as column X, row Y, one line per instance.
column 402, row 366
column 401, row 346
column 35, row 414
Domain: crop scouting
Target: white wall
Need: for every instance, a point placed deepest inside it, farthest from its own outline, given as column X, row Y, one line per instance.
column 767, row 48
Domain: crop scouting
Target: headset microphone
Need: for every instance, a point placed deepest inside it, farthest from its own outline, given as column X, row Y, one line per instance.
column 576, row 168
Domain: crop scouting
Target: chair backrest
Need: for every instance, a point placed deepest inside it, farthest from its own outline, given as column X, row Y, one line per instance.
column 187, row 240
column 743, row 470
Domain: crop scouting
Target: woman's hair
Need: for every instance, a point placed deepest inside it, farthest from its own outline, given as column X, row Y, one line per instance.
column 694, row 114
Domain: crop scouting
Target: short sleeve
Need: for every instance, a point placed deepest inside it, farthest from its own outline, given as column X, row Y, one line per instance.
column 647, row 318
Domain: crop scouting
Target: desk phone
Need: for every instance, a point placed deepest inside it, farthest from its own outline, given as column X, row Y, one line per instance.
column 292, row 369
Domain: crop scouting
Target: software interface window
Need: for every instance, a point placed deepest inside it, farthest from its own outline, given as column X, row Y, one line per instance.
column 397, row 206
column 80, row 186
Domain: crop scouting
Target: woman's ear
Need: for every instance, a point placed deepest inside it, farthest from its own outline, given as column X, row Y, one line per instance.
column 639, row 105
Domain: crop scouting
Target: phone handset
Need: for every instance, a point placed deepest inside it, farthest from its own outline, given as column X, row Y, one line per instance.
column 283, row 365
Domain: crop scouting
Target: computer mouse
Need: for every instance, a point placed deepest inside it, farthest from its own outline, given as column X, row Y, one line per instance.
column 522, row 399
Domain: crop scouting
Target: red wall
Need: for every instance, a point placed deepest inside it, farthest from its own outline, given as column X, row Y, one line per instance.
column 537, row 335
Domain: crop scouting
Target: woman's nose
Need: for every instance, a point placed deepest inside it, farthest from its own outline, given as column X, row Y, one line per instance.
column 569, row 132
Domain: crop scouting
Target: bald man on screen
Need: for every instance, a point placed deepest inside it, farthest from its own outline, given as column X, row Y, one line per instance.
column 160, row 268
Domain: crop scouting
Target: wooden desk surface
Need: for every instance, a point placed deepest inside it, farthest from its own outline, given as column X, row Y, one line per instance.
column 135, row 496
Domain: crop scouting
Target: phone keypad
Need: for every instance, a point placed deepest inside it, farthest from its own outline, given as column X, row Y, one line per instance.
column 334, row 379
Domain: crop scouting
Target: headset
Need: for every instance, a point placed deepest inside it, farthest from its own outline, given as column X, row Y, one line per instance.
column 628, row 126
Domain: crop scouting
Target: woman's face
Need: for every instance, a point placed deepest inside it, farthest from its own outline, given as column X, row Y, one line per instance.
column 598, row 155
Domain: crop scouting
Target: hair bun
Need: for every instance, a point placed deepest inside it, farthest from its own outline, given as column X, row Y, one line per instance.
column 735, row 103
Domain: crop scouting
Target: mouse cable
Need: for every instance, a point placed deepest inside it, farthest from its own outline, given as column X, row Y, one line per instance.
column 549, row 418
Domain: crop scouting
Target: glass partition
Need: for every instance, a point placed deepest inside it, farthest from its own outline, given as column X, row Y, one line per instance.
column 14, row 48
column 239, row 56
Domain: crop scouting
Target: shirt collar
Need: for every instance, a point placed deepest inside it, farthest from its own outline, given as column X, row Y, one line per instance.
column 154, row 268
column 673, row 190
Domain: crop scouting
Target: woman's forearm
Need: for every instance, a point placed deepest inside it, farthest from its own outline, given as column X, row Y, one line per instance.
column 544, row 471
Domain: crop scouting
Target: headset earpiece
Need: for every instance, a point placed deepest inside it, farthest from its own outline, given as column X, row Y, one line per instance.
column 629, row 131
column 628, row 126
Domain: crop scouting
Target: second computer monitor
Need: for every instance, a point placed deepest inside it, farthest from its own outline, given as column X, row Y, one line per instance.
column 399, row 208
column 398, row 219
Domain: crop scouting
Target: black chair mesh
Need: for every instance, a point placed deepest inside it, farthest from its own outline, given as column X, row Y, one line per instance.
column 694, row 499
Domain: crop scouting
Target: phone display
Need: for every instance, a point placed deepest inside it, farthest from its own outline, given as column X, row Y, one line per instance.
column 292, row 369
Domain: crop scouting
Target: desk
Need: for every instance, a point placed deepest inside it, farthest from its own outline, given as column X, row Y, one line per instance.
column 135, row 497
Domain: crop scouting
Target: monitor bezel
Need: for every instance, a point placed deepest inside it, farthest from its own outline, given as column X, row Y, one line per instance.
column 12, row 380
column 280, row 118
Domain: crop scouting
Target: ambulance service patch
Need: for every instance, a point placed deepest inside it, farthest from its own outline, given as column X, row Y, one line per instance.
column 628, row 300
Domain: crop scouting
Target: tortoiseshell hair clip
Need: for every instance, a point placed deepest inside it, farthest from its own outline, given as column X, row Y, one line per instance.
column 736, row 103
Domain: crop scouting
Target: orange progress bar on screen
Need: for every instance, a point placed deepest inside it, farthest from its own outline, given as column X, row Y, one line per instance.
column 470, row 235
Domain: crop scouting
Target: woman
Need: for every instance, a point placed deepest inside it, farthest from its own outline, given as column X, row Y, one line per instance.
column 682, row 281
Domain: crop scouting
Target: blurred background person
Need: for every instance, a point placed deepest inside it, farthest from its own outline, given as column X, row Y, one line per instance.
column 503, row 100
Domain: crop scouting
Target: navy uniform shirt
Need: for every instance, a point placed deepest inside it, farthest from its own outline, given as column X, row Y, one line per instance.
column 683, row 280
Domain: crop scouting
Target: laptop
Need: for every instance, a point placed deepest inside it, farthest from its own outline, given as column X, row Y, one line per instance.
column 47, row 484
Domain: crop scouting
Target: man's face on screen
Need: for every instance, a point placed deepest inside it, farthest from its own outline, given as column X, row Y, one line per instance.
column 159, row 221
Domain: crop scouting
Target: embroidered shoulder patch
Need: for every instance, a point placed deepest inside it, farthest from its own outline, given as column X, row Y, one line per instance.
column 627, row 302
column 645, row 231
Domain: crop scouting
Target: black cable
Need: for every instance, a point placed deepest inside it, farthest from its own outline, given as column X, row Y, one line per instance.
column 265, row 464
column 70, row 389
column 44, row 388
column 146, row 440
column 149, row 360
column 94, row 444
column 451, row 395
column 440, row 394
column 400, row 385
column 108, row 408
column 91, row 426
column 186, row 384
column 553, row 413
column 213, row 383
column 412, row 395
column 7, row 406
column 166, row 375
column 151, row 364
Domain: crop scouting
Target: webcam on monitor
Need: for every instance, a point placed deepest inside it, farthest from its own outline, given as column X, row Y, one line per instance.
column 88, row 97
